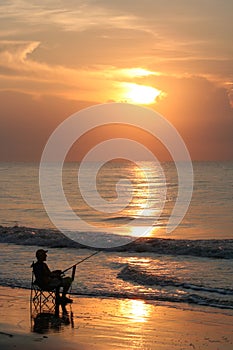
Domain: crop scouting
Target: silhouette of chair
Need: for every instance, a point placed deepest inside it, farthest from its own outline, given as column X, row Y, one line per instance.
column 44, row 300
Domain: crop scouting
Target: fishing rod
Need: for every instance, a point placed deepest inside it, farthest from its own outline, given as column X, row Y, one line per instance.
column 79, row 262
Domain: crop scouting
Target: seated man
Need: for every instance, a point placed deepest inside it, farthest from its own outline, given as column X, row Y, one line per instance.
column 47, row 279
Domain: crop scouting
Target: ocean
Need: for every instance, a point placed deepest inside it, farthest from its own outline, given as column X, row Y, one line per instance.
column 189, row 267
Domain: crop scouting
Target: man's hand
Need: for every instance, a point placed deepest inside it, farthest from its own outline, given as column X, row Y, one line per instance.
column 56, row 273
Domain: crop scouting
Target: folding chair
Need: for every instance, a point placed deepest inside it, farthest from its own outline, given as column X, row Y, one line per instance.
column 44, row 300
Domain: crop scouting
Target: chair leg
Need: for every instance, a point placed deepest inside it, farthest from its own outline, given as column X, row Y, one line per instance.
column 43, row 301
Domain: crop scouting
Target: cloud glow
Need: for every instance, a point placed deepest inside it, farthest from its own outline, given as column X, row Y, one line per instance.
column 141, row 94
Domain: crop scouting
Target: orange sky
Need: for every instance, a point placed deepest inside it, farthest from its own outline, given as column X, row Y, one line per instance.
column 59, row 57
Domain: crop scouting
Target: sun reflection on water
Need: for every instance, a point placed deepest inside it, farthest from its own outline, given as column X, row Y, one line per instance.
column 136, row 310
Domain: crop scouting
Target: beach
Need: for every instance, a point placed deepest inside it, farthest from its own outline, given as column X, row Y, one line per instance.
column 116, row 175
column 112, row 323
column 163, row 291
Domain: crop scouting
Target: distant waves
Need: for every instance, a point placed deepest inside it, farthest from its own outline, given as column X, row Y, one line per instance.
column 51, row 238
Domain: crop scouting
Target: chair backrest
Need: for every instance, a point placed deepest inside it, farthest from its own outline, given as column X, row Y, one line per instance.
column 33, row 275
column 34, row 281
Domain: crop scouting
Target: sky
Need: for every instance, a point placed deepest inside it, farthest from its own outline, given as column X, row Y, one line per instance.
column 58, row 57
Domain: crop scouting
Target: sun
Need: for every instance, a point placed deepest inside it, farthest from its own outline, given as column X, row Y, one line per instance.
column 141, row 94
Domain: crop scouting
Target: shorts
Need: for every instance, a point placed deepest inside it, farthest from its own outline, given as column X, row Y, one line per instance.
column 60, row 282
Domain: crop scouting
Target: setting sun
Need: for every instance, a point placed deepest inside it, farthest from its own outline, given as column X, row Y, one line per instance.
column 141, row 94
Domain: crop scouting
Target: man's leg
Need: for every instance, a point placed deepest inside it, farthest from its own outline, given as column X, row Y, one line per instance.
column 66, row 283
column 57, row 294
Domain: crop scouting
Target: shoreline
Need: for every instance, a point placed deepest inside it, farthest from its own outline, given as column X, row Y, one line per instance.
column 112, row 324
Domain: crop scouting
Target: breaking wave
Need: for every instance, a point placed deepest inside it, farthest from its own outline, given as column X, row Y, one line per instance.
column 212, row 248
column 130, row 273
column 175, row 290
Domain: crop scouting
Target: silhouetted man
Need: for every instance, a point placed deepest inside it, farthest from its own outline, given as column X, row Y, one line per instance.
column 49, row 280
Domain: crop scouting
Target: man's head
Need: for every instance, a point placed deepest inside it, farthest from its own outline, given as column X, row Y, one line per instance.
column 41, row 254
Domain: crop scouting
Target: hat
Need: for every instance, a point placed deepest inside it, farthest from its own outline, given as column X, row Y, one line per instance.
column 40, row 252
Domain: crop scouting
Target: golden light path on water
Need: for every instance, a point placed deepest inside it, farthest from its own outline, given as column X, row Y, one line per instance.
column 147, row 201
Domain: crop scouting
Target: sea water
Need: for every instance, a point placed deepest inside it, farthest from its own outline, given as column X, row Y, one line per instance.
column 190, row 266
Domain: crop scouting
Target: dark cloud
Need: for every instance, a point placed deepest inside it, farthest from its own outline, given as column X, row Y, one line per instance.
column 26, row 123
column 201, row 112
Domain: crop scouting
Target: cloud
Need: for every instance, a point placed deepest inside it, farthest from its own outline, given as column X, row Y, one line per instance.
column 198, row 108
column 73, row 51
column 179, row 36
column 201, row 111
column 16, row 50
column 19, row 72
column 70, row 16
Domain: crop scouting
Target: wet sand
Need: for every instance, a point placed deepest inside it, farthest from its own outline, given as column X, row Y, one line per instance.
column 101, row 323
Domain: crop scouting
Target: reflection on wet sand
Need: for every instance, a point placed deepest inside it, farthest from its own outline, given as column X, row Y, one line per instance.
column 135, row 310
column 46, row 322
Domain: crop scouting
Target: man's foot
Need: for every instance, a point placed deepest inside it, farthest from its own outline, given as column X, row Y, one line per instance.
column 65, row 300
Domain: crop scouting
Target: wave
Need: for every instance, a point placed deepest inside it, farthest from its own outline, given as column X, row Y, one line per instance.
column 120, row 218
column 213, row 248
column 129, row 273
column 181, row 292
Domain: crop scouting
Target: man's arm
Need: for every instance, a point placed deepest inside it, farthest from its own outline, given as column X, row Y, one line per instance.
column 50, row 274
column 46, row 269
column 46, row 274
